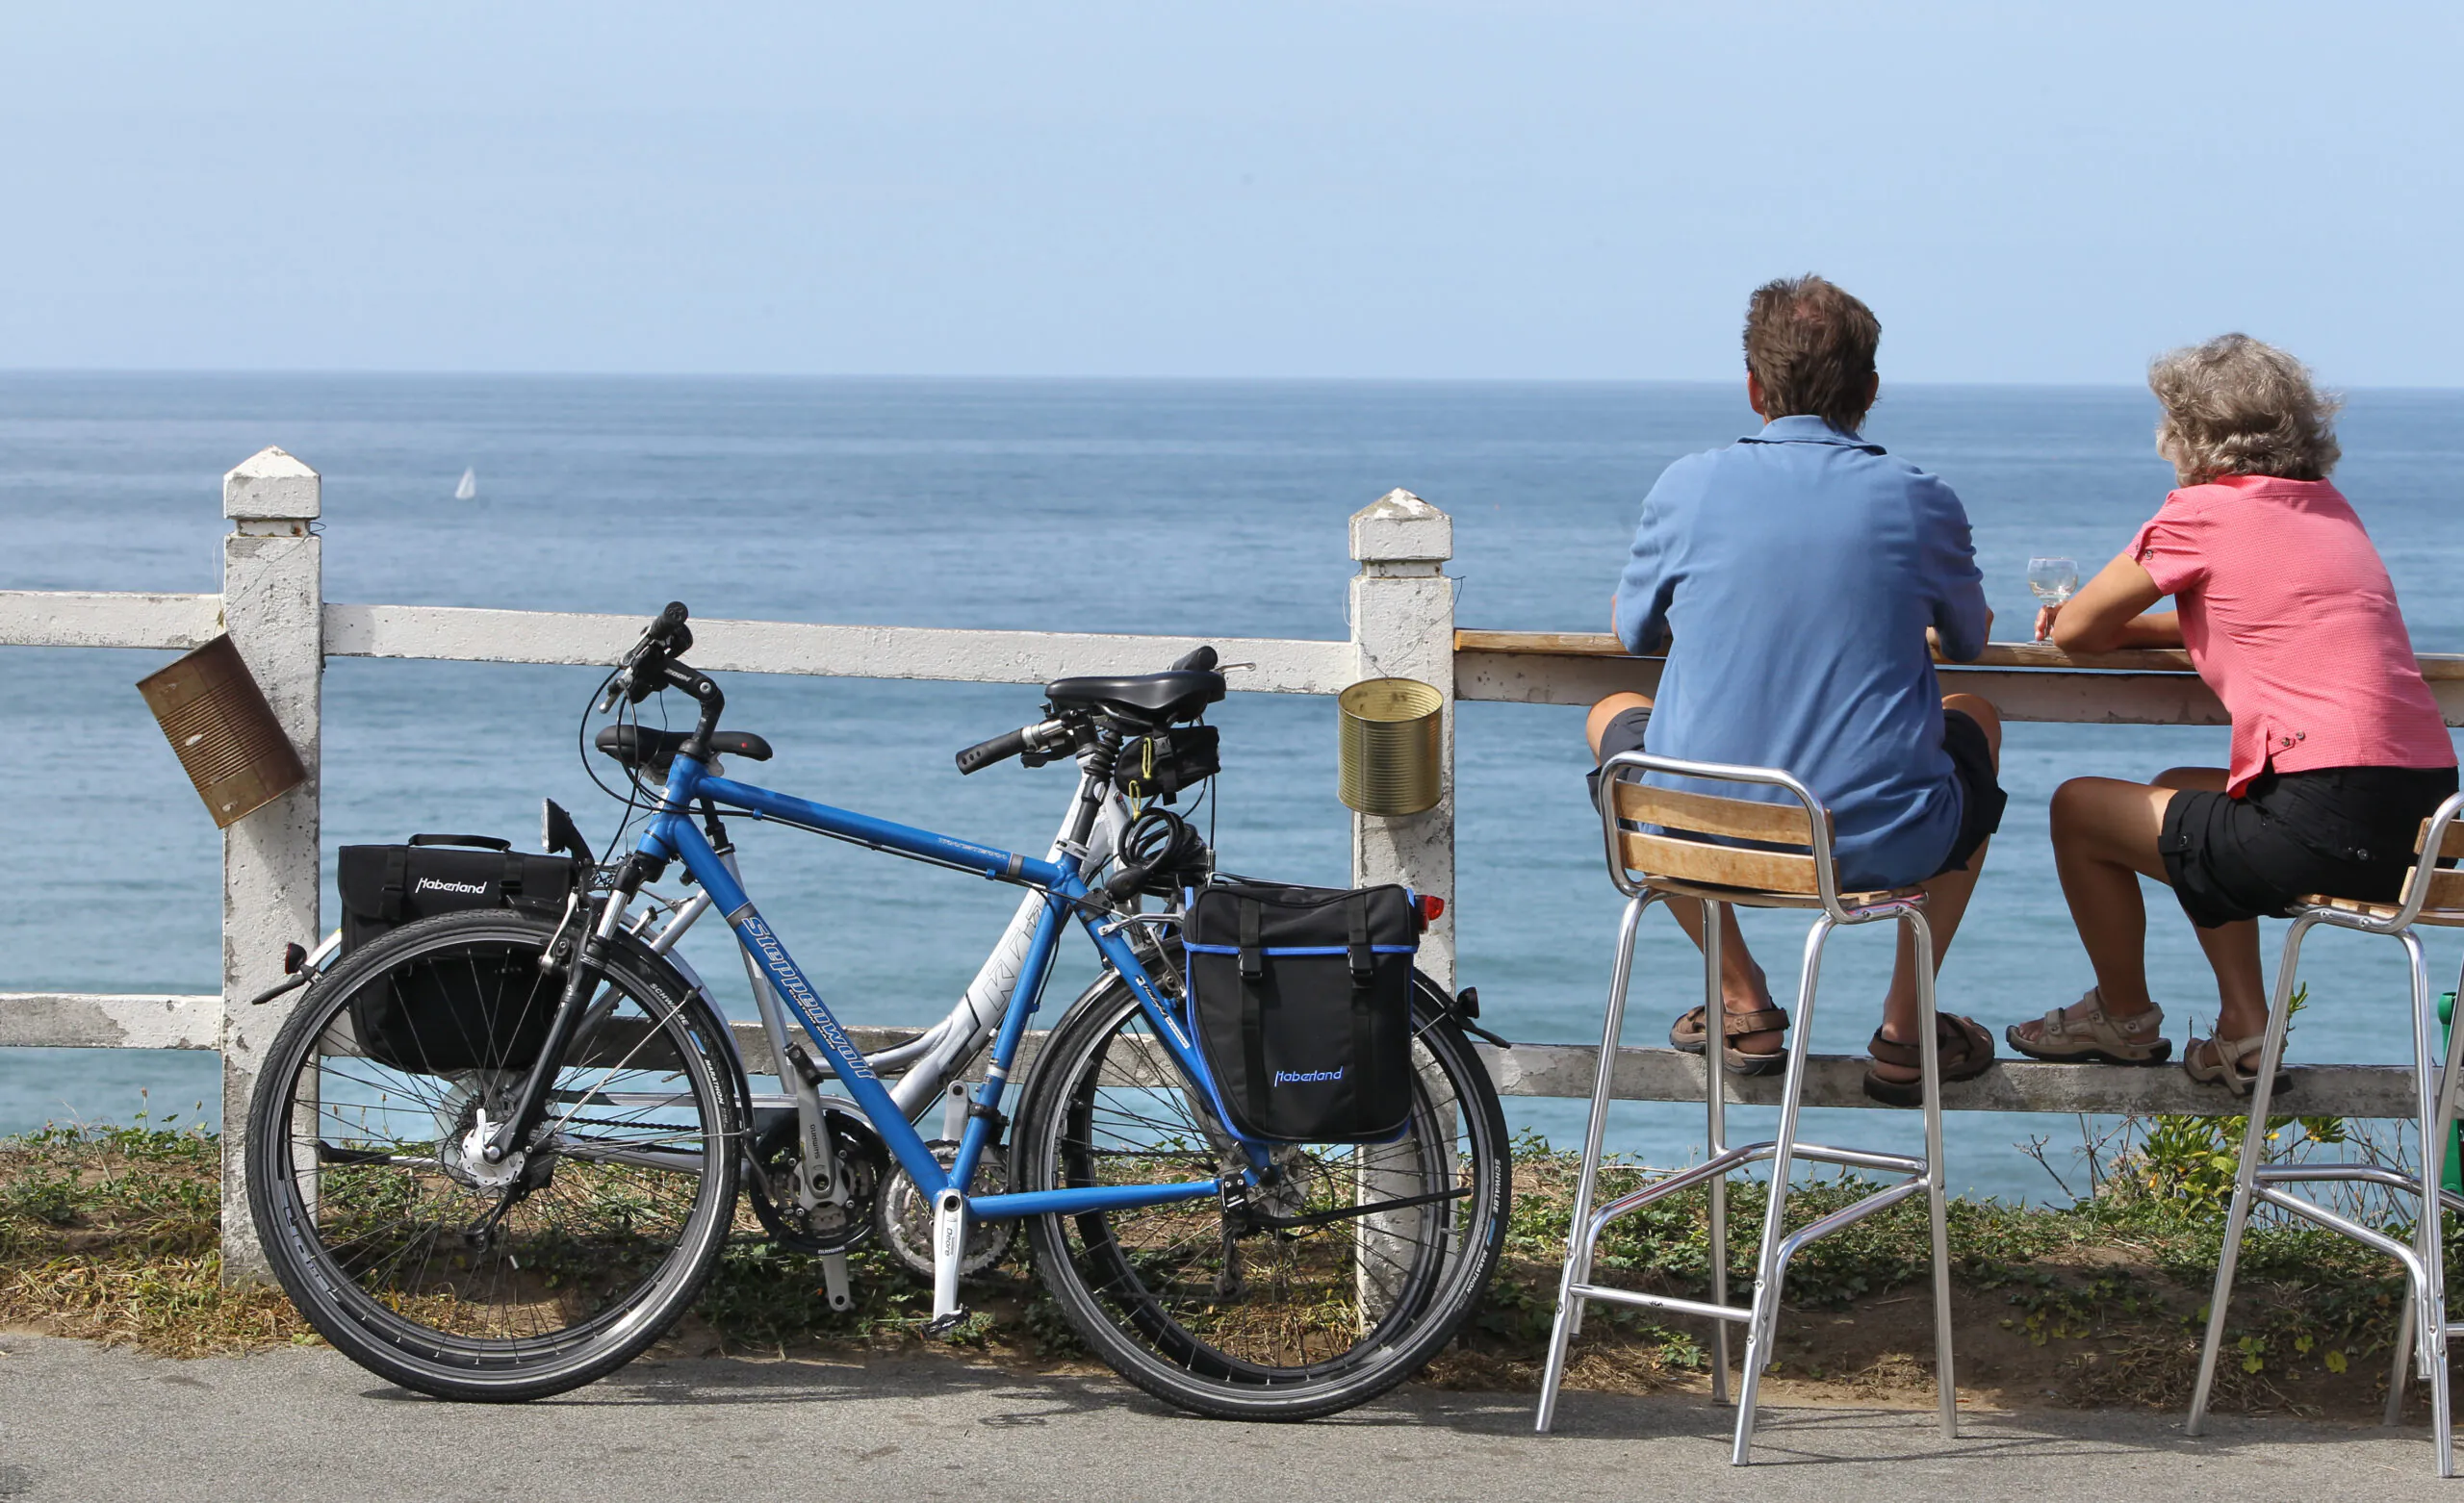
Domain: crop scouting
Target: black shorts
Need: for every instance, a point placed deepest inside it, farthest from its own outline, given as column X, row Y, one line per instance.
column 1981, row 795
column 2344, row 832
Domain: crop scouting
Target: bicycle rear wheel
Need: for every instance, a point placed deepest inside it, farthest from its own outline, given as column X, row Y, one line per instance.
column 1279, row 1310
column 437, row 1270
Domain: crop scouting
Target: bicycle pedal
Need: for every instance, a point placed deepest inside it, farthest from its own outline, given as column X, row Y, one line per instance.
column 943, row 1325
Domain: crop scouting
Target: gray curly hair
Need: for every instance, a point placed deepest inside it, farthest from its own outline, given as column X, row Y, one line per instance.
column 2238, row 406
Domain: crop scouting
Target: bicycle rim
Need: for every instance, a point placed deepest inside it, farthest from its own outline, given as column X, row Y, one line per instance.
column 1222, row 1316
column 435, row 1269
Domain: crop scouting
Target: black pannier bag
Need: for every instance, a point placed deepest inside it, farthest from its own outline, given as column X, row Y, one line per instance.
column 1302, row 998
column 451, row 1013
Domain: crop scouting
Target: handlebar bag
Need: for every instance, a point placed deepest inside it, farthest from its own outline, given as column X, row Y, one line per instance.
column 487, row 1009
column 1302, row 999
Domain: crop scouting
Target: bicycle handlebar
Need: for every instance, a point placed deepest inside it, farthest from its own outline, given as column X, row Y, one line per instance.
column 1000, row 748
column 642, row 672
column 1044, row 736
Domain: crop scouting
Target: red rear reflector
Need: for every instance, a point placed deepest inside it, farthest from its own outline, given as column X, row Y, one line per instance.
column 1431, row 907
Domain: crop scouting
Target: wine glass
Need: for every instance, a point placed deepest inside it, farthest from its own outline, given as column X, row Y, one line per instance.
column 2053, row 580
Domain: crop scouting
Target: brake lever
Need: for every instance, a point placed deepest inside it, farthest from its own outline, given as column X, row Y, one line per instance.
column 617, row 683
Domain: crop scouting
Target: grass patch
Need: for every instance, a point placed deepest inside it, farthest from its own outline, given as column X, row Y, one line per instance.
column 109, row 1232
column 2102, row 1302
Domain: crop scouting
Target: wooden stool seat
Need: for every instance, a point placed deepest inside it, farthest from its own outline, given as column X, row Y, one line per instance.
column 1752, row 898
column 2437, row 918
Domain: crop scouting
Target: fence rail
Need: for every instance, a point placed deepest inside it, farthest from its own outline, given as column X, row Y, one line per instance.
column 153, row 1021
column 1402, row 611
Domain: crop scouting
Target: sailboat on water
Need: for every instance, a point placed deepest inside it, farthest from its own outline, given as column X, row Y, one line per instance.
column 469, row 489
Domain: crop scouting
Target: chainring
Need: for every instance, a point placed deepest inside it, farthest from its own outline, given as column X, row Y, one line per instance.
column 902, row 1217
column 778, row 1153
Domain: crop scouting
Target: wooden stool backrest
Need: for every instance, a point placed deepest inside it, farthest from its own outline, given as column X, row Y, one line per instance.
column 2446, row 889
column 1679, row 853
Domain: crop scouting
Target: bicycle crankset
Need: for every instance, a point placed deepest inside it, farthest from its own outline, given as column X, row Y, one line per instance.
column 903, row 1218
column 776, row 1187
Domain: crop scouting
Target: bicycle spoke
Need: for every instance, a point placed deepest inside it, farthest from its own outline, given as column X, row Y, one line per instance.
column 1228, row 1299
column 420, row 1232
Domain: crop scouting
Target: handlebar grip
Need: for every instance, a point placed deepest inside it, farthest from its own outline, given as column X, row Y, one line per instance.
column 1000, row 748
column 1202, row 658
column 678, row 637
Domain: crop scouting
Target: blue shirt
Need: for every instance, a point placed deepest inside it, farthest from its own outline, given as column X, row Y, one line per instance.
column 1794, row 573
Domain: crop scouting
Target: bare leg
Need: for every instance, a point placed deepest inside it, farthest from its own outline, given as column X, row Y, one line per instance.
column 2232, row 949
column 1743, row 987
column 1946, row 899
column 2105, row 833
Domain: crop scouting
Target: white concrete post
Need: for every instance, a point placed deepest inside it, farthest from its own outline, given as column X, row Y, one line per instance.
column 273, row 606
column 1402, row 626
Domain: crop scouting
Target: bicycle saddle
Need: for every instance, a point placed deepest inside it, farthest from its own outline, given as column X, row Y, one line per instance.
column 1176, row 695
column 639, row 746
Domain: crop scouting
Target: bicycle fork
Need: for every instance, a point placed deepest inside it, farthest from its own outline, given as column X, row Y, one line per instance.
column 530, row 1105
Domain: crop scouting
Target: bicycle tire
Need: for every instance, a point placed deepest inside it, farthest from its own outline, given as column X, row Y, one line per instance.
column 1132, row 1285
column 417, row 1260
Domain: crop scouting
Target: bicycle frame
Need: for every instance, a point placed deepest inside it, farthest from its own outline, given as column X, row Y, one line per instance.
column 673, row 836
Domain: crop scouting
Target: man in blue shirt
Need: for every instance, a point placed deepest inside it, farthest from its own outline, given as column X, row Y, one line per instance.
column 1797, row 580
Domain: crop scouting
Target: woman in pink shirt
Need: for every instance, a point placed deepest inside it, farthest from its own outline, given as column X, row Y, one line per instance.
column 2339, row 749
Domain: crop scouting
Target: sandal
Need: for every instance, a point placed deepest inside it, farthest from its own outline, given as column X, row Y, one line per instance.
column 2224, row 1064
column 2064, row 1039
column 1689, row 1035
column 1965, row 1049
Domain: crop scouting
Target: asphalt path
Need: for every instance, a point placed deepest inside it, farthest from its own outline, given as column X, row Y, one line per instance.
column 81, row 1422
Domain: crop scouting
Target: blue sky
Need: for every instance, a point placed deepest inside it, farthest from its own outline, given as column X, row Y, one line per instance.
column 2024, row 192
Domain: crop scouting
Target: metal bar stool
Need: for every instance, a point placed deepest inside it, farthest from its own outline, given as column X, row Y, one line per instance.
column 2430, row 896
column 1790, row 866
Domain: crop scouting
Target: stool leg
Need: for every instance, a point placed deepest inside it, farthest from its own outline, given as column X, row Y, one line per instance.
column 2434, row 1172
column 1945, row 1381
column 2430, row 1302
column 2407, row 1326
column 1715, row 1140
column 1603, row 1082
column 1761, row 1328
column 2245, row 1175
column 1578, row 1247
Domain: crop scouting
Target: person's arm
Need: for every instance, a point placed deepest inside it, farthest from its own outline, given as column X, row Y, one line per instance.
column 1934, row 638
column 1639, row 612
column 2111, row 613
column 1962, row 619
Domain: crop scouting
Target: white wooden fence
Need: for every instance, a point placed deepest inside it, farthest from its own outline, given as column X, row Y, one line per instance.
column 1402, row 613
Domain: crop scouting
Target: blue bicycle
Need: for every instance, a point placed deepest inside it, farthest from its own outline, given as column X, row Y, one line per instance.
column 524, row 1192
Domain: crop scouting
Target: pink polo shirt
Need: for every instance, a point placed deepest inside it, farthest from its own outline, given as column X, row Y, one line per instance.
column 2288, row 615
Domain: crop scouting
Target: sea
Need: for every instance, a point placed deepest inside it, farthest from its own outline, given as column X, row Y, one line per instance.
column 1205, row 508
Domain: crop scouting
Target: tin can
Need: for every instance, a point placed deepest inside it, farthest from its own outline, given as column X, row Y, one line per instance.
column 223, row 732
column 1388, row 744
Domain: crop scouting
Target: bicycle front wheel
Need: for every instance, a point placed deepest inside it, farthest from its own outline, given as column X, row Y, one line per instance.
column 1292, row 1306
column 437, row 1270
